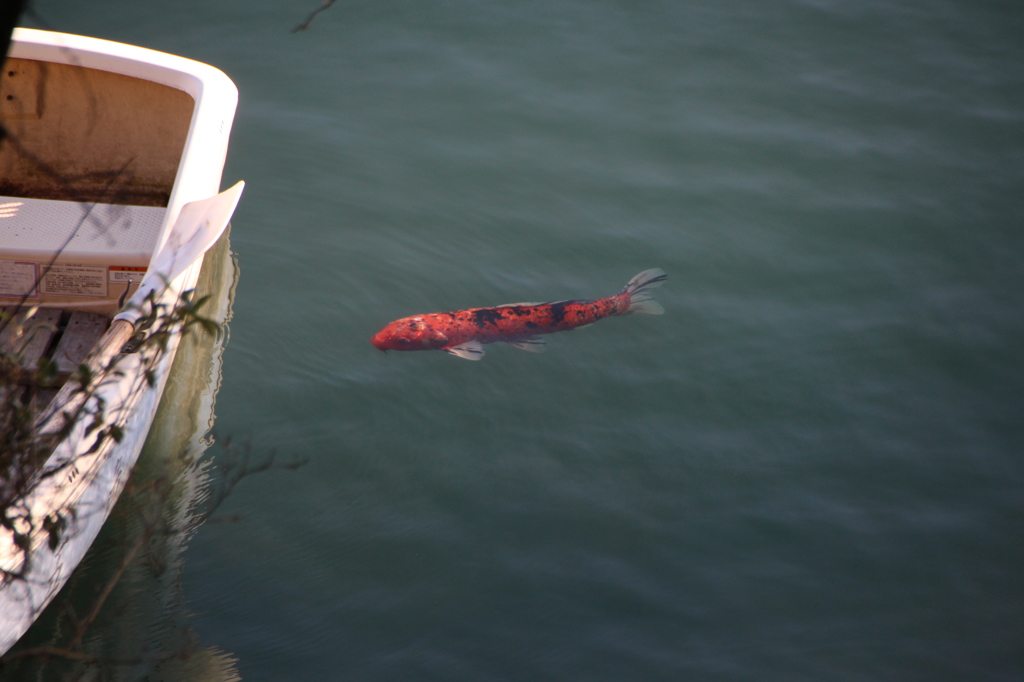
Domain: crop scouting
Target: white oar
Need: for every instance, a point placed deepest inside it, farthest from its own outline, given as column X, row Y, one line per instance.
column 198, row 227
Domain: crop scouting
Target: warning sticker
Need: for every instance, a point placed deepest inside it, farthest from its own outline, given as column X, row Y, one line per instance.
column 126, row 273
column 18, row 279
column 75, row 280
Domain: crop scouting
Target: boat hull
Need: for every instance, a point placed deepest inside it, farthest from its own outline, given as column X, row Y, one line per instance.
column 80, row 483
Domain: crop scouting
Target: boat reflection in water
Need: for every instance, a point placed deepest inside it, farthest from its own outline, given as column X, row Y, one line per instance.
column 142, row 628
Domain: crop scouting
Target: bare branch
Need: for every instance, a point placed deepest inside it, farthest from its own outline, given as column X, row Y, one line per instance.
column 325, row 4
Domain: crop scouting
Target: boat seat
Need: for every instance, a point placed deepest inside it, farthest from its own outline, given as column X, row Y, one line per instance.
column 99, row 249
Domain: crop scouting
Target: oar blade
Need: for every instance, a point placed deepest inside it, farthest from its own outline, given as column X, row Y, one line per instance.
column 198, row 227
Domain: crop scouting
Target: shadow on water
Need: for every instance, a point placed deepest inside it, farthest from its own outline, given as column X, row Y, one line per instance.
column 126, row 596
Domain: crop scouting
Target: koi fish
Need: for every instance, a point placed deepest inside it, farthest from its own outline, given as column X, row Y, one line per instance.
column 464, row 333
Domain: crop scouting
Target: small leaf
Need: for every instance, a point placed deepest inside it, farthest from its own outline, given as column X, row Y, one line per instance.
column 54, row 524
column 211, row 327
column 96, row 423
column 84, row 374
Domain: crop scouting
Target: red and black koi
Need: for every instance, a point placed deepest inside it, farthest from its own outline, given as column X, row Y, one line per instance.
column 463, row 333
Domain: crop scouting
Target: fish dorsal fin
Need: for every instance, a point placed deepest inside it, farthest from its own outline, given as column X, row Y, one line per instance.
column 516, row 305
column 534, row 344
column 470, row 350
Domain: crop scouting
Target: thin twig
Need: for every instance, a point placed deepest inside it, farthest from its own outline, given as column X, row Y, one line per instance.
column 84, row 624
column 325, row 4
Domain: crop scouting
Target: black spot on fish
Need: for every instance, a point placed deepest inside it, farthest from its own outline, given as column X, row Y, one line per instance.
column 558, row 311
column 485, row 316
column 533, row 325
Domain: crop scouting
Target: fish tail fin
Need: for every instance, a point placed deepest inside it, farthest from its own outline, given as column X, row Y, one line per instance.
column 641, row 300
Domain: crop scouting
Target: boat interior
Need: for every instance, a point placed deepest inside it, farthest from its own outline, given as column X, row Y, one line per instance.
column 87, row 166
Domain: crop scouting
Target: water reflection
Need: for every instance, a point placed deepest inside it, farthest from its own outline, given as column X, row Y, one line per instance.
column 124, row 604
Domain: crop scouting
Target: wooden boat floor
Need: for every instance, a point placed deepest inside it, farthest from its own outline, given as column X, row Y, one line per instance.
column 63, row 336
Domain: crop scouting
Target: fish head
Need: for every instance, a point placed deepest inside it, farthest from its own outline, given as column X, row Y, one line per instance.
column 409, row 333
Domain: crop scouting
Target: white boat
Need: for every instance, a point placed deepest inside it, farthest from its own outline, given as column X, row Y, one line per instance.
column 109, row 181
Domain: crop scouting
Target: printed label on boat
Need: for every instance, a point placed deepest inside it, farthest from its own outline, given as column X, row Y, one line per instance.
column 123, row 274
column 75, row 280
column 18, row 279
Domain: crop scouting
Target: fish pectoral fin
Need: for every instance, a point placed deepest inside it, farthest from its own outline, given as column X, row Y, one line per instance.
column 534, row 344
column 470, row 350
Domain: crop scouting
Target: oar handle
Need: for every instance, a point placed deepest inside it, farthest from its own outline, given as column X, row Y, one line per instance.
column 71, row 396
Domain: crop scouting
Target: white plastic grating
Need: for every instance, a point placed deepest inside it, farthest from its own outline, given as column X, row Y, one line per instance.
column 45, row 225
